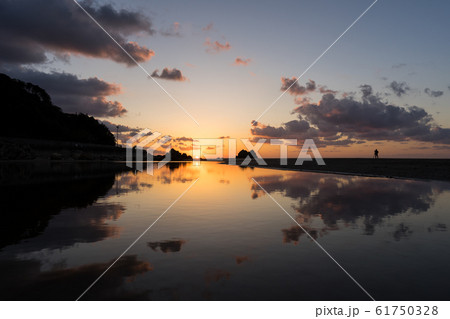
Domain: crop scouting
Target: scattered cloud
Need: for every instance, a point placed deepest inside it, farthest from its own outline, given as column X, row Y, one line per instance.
column 183, row 139
column 125, row 132
column 399, row 88
column 169, row 74
column 291, row 85
column 75, row 95
column 242, row 61
column 173, row 31
column 432, row 93
column 366, row 90
column 30, row 30
column 399, row 65
column 216, row 46
column 294, row 88
column 209, row 27
column 345, row 121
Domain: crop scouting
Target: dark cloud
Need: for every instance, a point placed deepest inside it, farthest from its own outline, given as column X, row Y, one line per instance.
column 169, row 74
column 30, row 29
column 432, row 93
column 72, row 94
column 399, row 88
column 125, row 132
column 293, row 88
column 345, row 121
column 216, row 46
column 366, row 90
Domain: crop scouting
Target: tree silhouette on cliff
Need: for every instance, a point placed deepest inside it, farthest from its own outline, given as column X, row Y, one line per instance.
column 28, row 112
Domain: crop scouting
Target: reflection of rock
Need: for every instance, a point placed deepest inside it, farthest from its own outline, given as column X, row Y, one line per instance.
column 23, row 280
column 167, row 245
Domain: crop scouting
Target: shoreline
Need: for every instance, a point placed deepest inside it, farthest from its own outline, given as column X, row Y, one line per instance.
column 412, row 169
column 344, row 173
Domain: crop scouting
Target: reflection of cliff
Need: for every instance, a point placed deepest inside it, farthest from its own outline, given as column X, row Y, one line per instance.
column 33, row 194
column 332, row 199
column 24, row 280
column 72, row 226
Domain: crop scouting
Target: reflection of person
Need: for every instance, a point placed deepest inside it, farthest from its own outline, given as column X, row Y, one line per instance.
column 375, row 154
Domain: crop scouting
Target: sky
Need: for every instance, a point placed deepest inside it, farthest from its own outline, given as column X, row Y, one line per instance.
column 384, row 84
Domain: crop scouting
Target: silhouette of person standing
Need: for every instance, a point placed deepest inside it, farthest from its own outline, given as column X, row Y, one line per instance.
column 375, row 154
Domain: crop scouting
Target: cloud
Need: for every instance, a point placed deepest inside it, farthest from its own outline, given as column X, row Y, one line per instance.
column 399, row 65
column 432, row 93
column 242, row 61
column 169, row 74
column 346, row 121
column 209, row 27
column 173, row 31
column 291, row 85
column 30, row 30
column 125, row 132
column 183, row 139
column 75, row 95
column 399, row 88
column 324, row 90
column 216, row 46
column 366, row 90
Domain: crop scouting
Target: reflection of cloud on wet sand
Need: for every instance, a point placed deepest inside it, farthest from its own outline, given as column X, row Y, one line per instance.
column 402, row 231
column 241, row 259
column 437, row 227
column 167, row 246
column 216, row 275
column 332, row 199
column 24, row 280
